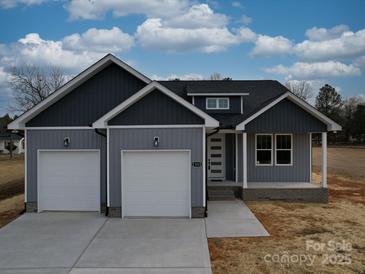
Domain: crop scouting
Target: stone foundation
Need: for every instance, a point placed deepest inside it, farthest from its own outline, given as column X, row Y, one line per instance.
column 311, row 195
column 198, row 212
column 114, row 212
column 31, row 207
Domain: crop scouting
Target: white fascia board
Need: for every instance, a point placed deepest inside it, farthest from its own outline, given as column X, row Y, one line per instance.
column 20, row 122
column 331, row 125
column 102, row 122
column 219, row 94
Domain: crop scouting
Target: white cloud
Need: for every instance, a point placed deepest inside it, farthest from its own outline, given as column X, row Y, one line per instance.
column 152, row 34
column 99, row 40
column 349, row 44
column 321, row 34
column 267, row 45
column 8, row 4
column 198, row 16
column 86, row 9
column 246, row 20
column 316, row 70
column 72, row 53
column 189, row 76
column 359, row 62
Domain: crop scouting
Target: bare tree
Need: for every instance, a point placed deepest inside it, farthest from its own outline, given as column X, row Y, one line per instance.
column 32, row 84
column 303, row 89
column 216, row 76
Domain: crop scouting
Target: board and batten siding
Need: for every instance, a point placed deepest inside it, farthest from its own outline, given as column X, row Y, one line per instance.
column 285, row 117
column 91, row 100
column 298, row 172
column 142, row 139
column 53, row 139
column 156, row 108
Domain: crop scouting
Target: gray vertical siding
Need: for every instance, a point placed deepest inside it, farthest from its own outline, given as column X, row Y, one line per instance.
column 156, row 108
column 298, row 172
column 92, row 99
column 285, row 117
column 53, row 139
column 142, row 139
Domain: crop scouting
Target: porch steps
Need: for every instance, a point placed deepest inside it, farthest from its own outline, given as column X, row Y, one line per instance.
column 221, row 194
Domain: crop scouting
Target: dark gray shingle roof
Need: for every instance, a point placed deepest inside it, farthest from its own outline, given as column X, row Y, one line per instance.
column 262, row 93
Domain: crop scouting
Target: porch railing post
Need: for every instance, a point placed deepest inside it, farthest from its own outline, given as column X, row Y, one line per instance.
column 324, row 159
column 244, row 153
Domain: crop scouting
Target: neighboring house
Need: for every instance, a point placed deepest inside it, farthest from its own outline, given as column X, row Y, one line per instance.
column 112, row 140
column 5, row 139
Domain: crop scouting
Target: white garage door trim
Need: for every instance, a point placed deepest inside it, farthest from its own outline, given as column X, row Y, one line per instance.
column 66, row 150
column 154, row 151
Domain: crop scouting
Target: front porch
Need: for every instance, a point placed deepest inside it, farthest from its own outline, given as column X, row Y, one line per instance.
column 240, row 176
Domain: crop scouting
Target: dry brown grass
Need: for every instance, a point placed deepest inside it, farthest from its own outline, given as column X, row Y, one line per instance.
column 11, row 208
column 290, row 226
column 348, row 162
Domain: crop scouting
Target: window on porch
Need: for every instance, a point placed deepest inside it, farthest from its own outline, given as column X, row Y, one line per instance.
column 264, row 149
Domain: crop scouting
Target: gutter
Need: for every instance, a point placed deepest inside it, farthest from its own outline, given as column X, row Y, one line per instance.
column 97, row 131
column 216, row 130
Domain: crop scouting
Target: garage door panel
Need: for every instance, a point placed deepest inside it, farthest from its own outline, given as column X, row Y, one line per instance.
column 69, row 180
column 156, row 183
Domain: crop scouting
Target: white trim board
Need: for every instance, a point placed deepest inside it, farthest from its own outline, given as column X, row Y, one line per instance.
column 102, row 122
column 20, row 122
column 219, row 94
column 157, row 126
column 331, row 125
column 57, row 128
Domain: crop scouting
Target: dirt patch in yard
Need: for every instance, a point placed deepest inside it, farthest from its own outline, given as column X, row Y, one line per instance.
column 11, row 208
column 293, row 226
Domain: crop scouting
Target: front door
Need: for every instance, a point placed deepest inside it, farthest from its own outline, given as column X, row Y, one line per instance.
column 216, row 159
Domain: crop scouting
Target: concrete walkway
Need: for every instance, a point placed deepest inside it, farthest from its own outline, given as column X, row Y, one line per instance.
column 232, row 219
column 59, row 243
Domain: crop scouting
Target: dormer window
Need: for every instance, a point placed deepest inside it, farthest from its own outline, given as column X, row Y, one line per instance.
column 217, row 103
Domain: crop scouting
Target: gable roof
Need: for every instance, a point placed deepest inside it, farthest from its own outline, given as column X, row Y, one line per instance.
column 71, row 85
column 260, row 93
column 102, row 122
column 331, row 125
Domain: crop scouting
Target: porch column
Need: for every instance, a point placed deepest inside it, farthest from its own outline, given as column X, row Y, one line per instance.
column 244, row 160
column 324, row 159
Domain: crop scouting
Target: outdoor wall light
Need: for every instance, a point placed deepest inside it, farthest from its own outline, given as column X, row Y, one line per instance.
column 156, row 141
column 66, row 141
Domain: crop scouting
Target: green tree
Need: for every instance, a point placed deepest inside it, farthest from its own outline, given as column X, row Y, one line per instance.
column 329, row 102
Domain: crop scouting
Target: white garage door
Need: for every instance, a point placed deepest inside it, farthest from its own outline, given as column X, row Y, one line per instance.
column 156, row 184
column 69, row 180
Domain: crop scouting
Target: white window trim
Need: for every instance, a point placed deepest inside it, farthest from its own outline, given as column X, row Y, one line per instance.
column 272, row 148
column 286, row 149
column 216, row 103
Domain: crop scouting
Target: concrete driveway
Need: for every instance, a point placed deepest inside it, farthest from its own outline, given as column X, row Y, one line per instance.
column 88, row 243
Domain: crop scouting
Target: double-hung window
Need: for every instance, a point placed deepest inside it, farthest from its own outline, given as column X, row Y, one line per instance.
column 217, row 103
column 264, row 148
column 284, row 149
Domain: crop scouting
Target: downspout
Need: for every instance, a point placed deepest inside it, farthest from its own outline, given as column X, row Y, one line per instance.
column 97, row 131
column 216, row 130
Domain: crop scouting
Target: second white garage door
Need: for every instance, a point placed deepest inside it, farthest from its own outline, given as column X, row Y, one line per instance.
column 156, row 184
column 69, row 180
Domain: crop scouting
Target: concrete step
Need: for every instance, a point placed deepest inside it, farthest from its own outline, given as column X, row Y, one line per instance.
column 221, row 194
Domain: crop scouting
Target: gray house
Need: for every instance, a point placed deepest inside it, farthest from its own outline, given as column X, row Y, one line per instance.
column 112, row 140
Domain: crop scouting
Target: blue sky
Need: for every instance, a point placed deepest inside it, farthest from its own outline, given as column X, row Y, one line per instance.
column 319, row 41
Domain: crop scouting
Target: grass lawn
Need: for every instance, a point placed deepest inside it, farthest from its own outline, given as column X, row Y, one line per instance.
column 290, row 226
column 11, row 188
